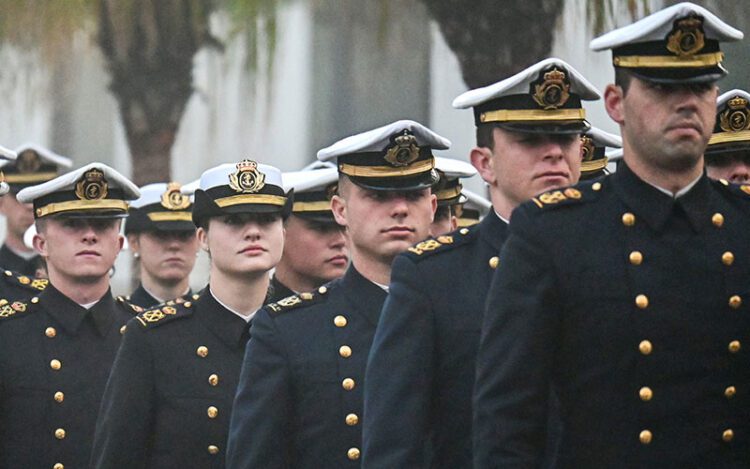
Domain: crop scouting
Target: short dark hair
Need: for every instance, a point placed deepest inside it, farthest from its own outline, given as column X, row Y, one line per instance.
column 623, row 78
column 486, row 136
column 443, row 212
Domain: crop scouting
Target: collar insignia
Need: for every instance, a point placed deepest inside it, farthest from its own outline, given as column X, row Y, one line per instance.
column 92, row 186
column 404, row 150
column 247, row 178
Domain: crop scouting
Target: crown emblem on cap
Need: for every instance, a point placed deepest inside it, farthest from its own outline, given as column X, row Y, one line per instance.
column 92, row 185
column 587, row 148
column 686, row 37
column 173, row 199
column 404, row 150
column 553, row 91
column 735, row 117
column 247, row 178
column 28, row 162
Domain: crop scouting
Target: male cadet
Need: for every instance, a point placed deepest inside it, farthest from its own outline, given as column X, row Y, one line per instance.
column 448, row 192
column 34, row 165
column 420, row 373
column 594, row 144
column 161, row 234
column 472, row 211
column 627, row 296
column 314, row 248
column 299, row 402
column 728, row 153
column 56, row 350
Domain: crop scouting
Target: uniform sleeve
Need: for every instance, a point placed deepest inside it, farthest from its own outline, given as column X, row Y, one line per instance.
column 124, row 425
column 515, row 359
column 262, row 412
column 398, row 380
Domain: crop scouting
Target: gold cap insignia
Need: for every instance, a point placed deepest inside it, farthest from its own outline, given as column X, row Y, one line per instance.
column 735, row 117
column 686, row 37
column 92, row 186
column 247, row 178
column 554, row 90
column 587, row 148
column 173, row 199
column 28, row 162
column 404, row 151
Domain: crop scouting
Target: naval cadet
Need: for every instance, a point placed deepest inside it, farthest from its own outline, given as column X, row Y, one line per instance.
column 728, row 153
column 473, row 210
column 169, row 397
column 315, row 246
column 420, row 374
column 34, row 165
column 448, row 191
column 161, row 234
column 56, row 349
column 299, row 403
column 594, row 145
column 627, row 296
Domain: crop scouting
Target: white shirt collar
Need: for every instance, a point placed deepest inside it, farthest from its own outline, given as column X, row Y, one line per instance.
column 507, row 222
column 679, row 193
column 247, row 317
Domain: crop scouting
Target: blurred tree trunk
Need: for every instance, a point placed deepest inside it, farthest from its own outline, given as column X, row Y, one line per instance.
column 149, row 46
column 495, row 39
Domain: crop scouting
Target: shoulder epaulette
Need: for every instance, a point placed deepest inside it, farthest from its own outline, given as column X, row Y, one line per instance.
column 124, row 301
column 34, row 284
column 297, row 301
column 583, row 192
column 164, row 313
column 13, row 309
column 740, row 190
column 442, row 243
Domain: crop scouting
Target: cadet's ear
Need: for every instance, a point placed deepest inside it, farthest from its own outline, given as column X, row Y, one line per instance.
column 481, row 158
column 202, row 235
column 613, row 99
column 338, row 207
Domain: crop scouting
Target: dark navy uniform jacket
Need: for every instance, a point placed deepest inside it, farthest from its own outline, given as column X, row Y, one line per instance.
column 299, row 403
column 420, row 374
column 633, row 307
column 143, row 299
column 278, row 291
column 12, row 261
column 169, row 397
column 55, row 357
column 17, row 286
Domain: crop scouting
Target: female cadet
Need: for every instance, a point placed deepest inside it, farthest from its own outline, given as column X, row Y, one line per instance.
column 169, row 397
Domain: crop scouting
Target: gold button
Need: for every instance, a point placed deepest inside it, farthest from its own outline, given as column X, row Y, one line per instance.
column 628, row 219
column 727, row 258
column 50, row 332
column 597, row 186
column 213, row 380
column 322, row 290
column 306, row 296
column 494, row 261
column 734, row 346
column 636, row 258
column 123, row 329
column 730, row 391
column 35, row 300
column 353, row 454
column 340, row 321
column 641, row 301
column 645, row 393
column 60, row 433
column 213, row 412
column 463, row 231
column 59, row 396
column 55, row 364
column 727, row 435
column 202, row 351
column 645, row 347
column 735, row 301
column 345, row 351
column 717, row 219
column 188, row 304
column 348, row 384
column 58, row 466
column 645, row 437
column 352, row 419
column 213, row 449
column 8, row 273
